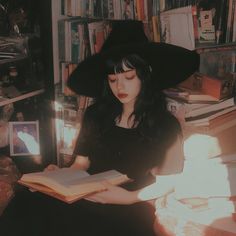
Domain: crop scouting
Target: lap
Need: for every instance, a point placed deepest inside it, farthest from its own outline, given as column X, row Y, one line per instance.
column 37, row 214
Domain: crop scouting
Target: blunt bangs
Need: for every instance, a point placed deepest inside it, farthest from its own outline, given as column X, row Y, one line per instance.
column 133, row 61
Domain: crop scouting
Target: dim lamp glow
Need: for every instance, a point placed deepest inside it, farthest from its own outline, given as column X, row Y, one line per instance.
column 30, row 142
column 201, row 146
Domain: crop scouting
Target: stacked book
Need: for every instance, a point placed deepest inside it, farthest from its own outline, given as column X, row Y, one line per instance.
column 205, row 117
column 206, row 105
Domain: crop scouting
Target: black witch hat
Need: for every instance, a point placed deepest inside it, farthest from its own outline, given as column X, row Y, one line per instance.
column 170, row 64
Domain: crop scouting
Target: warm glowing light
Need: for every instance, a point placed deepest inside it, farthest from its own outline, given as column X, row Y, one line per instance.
column 70, row 134
column 59, row 129
column 201, row 146
column 164, row 185
column 30, row 142
column 182, row 214
column 58, row 106
column 205, row 179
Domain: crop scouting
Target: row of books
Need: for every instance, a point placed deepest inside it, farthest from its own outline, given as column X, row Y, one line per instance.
column 166, row 5
column 79, row 39
column 203, row 23
column 110, row 9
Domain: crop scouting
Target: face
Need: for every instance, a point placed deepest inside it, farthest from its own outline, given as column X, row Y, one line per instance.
column 125, row 86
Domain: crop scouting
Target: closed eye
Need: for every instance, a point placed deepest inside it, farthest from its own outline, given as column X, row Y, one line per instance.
column 130, row 77
column 111, row 78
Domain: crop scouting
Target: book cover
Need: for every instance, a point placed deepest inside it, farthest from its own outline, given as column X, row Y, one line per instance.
column 209, row 85
column 97, row 35
column 180, row 109
column 156, row 29
column 206, row 27
column 209, row 116
column 69, row 184
column 215, row 126
column 61, row 39
column 211, row 107
column 177, row 27
column 221, row 20
column 75, row 41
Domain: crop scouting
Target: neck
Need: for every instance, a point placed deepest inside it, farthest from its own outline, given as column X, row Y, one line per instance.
column 128, row 108
column 125, row 122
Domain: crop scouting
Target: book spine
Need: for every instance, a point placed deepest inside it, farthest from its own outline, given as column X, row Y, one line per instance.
column 61, row 40
column 75, row 42
column 195, row 23
column 221, row 21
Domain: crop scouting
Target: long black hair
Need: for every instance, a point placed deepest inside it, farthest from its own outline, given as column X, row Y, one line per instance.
column 150, row 109
column 155, row 124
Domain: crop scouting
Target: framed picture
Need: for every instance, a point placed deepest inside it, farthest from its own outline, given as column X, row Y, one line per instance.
column 24, row 138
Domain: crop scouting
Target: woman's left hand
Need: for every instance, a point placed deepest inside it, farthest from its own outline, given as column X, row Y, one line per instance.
column 113, row 195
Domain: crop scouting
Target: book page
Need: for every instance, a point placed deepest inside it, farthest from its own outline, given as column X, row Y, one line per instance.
column 71, row 182
column 58, row 180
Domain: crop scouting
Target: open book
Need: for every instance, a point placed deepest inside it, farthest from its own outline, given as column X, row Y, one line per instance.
column 69, row 184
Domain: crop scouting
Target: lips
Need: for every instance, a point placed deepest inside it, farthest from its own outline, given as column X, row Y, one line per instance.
column 122, row 95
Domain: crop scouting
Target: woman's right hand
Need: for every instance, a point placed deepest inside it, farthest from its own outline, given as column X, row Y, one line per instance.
column 51, row 167
column 80, row 163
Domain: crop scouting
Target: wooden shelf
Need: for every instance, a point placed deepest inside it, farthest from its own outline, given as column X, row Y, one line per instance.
column 202, row 48
column 14, row 59
column 21, row 97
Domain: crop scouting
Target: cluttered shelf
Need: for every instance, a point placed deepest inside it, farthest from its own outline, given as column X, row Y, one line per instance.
column 4, row 59
column 21, row 69
column 207, row 47
column 5, row 101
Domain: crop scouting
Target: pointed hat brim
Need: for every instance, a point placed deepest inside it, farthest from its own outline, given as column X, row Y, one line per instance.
column 170, row 64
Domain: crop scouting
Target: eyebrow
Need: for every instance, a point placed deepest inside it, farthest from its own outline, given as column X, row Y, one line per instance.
column 127, row 71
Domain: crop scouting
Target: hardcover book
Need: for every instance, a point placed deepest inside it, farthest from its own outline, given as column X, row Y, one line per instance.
column 215, row 87
column 70, row 185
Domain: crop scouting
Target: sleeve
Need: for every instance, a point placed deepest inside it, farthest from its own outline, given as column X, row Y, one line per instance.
column 86, row 135
column 174, row 159
column 167, row 155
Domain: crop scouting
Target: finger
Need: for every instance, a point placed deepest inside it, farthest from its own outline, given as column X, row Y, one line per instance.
column 90, row 199
column 94, row 199
column 51, row 167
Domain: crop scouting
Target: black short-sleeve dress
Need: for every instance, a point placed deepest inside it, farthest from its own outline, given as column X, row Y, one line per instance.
column 126, row 150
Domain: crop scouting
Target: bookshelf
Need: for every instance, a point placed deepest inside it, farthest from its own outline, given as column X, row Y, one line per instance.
column 217, row 59
column 25, row 78
column 79, row 30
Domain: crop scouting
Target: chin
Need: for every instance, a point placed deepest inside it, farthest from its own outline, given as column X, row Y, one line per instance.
column 124, row 100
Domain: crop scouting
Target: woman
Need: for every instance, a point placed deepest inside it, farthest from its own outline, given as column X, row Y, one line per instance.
column 129, row 129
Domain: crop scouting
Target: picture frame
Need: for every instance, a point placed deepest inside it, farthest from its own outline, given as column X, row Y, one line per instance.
column 24, row 138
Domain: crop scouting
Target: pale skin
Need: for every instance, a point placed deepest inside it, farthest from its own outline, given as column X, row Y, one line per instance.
column 126, row 87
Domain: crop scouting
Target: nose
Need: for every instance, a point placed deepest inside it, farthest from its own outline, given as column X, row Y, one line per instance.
column 120, row 82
